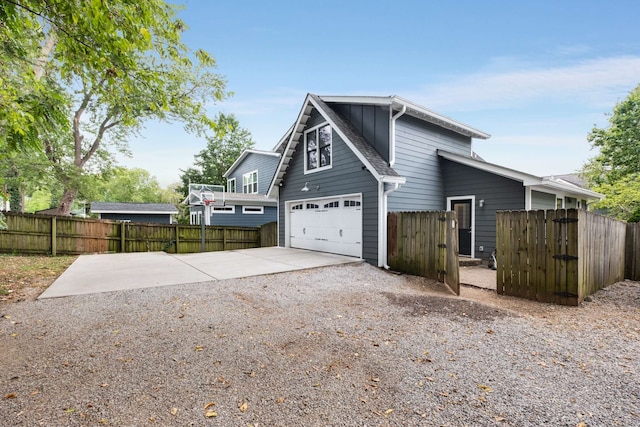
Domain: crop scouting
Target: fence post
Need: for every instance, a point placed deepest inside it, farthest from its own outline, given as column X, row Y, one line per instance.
column 122, row 237
column 177, row 237
column 54, row 237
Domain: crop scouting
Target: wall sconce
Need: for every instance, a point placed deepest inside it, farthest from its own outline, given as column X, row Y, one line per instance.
column 481, row 203
column 306, row 187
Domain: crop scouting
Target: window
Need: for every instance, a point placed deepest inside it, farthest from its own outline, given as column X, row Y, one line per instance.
column 312, row 206
column 332, row 205
column 318, row 148
column 231, row 185
column 250, row 183
column 253, row 210
column 297, row 207
column 351, row 203
column 224, row 209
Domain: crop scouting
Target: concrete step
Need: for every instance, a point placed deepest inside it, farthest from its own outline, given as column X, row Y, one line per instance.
column 469, row 262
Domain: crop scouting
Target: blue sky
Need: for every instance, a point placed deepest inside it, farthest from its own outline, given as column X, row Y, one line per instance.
column 537, row 76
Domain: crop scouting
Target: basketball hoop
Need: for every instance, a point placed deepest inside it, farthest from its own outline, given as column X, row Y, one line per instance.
column 208, row 202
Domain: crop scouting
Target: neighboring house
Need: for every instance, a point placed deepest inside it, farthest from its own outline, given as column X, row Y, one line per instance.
column 244, row 203
column 159, row 213
column 348, row 161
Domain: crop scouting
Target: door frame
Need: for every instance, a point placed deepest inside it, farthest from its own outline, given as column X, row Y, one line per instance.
column 473, row 218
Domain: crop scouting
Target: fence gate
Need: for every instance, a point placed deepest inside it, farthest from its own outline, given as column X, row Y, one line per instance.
column 425, row 244
column 557, row 256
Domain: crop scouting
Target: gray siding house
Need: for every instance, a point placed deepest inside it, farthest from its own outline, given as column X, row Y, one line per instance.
column 158, row 213
column 244, row 203
column 348, row 161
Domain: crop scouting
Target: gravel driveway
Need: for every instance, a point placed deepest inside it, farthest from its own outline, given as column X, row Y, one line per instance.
column 348, row 345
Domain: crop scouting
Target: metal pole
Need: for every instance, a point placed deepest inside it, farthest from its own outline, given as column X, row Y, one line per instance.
column 202, row 230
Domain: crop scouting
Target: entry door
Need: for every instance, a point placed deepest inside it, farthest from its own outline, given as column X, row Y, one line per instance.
column 462, row 208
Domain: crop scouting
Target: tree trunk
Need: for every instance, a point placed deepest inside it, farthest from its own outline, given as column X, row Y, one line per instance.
column 66, row 203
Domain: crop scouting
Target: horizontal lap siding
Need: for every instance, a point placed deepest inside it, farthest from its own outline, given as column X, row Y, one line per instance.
column 417, row 160
column 245, row 220
column 498, row 193
column 346, row 176
column 542, row 201
column 265, row 165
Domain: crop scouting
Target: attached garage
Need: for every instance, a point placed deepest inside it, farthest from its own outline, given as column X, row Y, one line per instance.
column 330, row 224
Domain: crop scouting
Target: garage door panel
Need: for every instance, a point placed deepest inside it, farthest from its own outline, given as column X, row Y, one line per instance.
column 329, row 225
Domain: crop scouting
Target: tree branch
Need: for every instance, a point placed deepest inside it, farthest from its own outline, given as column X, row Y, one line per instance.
column 104, row 126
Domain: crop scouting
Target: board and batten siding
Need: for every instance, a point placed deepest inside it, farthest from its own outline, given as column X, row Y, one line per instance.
column 346, row 176
column 417, row 143
column 371, row 121
column 244, row 220
column 498, row 193
column 265, row 165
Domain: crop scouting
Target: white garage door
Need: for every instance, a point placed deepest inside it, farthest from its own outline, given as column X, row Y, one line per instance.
column 331, row 224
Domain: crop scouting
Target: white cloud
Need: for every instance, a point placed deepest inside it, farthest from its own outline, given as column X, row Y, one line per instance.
column 597, row 82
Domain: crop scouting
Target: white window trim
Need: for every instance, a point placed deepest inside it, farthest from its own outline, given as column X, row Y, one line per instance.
column 319, row 168
column 224, row 210
column 256, row 183
column 253, row 210
column 235, row 186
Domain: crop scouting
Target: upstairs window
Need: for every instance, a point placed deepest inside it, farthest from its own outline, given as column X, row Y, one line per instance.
column 250, row 183
column 231, row 185
column 317, row 142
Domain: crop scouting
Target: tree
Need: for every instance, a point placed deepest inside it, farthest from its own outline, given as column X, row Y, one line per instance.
column 615, row 171
column 113, row 65
column 221, row 151
column 130, row 185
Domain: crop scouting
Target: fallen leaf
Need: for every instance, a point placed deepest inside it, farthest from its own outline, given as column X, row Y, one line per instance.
column 581, row 424
column 209, row 405
column 33, row 393
column 444, row 393
column 151, row 419
column 280, row 400
column 244, row 407
column 174, row 411
column 70, row 410
column 103, row 421
column 388, row 412
column 485, row 388
column 490, row 331
column 375, row 380
column 199, row 348
column 10, row 396
column 429, row 379
column 210, row 414
column 104, row 385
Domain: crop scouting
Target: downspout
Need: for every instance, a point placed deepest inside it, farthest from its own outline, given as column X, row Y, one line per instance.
column 392, row 136
column 384, row 202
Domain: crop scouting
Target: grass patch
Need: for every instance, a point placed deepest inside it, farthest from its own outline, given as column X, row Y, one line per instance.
column 34, row 273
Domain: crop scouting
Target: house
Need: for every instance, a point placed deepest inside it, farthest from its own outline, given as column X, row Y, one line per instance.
column 243, row 202
column 349, row 160
column 158, row 213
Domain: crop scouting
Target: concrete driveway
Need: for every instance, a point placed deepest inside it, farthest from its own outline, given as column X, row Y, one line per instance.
column 114, row 272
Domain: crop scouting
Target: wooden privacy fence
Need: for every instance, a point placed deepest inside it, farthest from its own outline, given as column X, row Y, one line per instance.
column 424, row 244
column 41, row 234
column 632, row 251
column 558, row 256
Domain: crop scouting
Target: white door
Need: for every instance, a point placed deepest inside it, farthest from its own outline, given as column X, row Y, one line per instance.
column 332, row 224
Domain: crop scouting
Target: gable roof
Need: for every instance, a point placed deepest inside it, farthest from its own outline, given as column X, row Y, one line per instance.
column 412, row 109
column 244, row 154
column 133, row 208
column 528, row 180
column 372, row 160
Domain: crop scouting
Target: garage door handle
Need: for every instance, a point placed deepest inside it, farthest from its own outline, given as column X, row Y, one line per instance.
column 304, row 231
column 340, row 232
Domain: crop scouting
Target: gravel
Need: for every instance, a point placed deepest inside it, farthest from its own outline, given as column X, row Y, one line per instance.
column 349, row 345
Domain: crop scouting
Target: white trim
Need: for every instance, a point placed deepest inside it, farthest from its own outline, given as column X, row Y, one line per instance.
column 251, row 184
column 235, row 185
column 414, row 110
column 136, row 212
column 473, row 219
column 251, row 210
column 316, row 129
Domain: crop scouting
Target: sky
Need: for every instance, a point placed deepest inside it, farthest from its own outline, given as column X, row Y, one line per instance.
column 536, row 75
